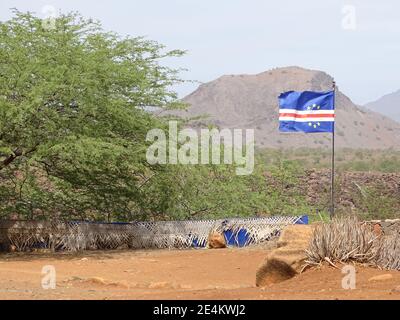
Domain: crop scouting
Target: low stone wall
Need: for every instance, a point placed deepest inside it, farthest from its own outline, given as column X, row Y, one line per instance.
column 387, row 226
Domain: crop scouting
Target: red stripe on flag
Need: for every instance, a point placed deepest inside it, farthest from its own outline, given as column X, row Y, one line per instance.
column 295, row 115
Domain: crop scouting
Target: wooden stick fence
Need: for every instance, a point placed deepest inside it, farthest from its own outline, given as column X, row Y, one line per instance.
column 76, row 236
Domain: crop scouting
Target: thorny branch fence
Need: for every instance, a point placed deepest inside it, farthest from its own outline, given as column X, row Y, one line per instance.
column 76, row 236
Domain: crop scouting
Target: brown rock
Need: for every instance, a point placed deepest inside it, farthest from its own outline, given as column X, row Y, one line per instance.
column 381, row 277
column 297, row 235
column 73, row 278
column 160, row 285
column 104, row 282
column 185, row 286
column 96, row 280
column 288, row 259
column 273, row 271
column 216, row 240
column 293, row 257
column 396, row 289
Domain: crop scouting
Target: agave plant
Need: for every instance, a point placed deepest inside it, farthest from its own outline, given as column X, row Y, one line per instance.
column 343, row 239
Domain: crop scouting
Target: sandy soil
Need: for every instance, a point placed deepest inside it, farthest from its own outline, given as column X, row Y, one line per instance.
column 177, row 274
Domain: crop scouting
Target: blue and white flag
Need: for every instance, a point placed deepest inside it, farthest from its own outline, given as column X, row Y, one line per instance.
column 307, row 111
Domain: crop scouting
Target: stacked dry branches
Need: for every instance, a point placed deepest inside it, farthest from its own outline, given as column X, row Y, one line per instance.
column 346, row 239
column 388, row 253
column 76, row 236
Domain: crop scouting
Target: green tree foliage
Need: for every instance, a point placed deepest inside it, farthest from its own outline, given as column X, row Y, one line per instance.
column 72, row 118
column 215, row 191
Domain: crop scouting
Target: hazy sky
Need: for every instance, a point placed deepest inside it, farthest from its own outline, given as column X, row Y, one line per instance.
column 251, row 36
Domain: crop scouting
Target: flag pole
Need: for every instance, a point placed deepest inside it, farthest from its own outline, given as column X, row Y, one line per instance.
column 332, row 209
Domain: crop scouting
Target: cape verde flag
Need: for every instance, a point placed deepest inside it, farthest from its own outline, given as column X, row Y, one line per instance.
column 307, row 111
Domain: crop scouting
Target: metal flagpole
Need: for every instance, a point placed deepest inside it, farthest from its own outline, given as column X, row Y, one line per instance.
column 332, row 213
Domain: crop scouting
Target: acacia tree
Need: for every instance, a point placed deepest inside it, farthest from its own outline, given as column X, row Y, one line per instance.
column 73, row 125
column 72, row 115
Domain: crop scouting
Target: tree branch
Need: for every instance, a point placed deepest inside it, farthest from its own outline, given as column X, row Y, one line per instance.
column 16, row 153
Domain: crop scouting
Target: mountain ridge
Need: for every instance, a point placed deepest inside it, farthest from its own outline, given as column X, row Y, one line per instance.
column 388, row 105
column 251, row 101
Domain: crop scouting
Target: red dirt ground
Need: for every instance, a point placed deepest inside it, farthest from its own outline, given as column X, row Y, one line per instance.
column 177, row 274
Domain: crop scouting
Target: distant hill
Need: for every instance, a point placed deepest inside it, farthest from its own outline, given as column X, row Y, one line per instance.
column 250, row 101
column 389, row 105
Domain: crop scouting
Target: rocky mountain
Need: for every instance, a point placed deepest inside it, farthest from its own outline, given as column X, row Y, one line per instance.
column 389, row 105
column 250, row 101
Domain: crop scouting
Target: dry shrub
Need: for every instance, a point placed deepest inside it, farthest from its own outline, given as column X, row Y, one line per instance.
column 343, row 239
column 388, row 253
